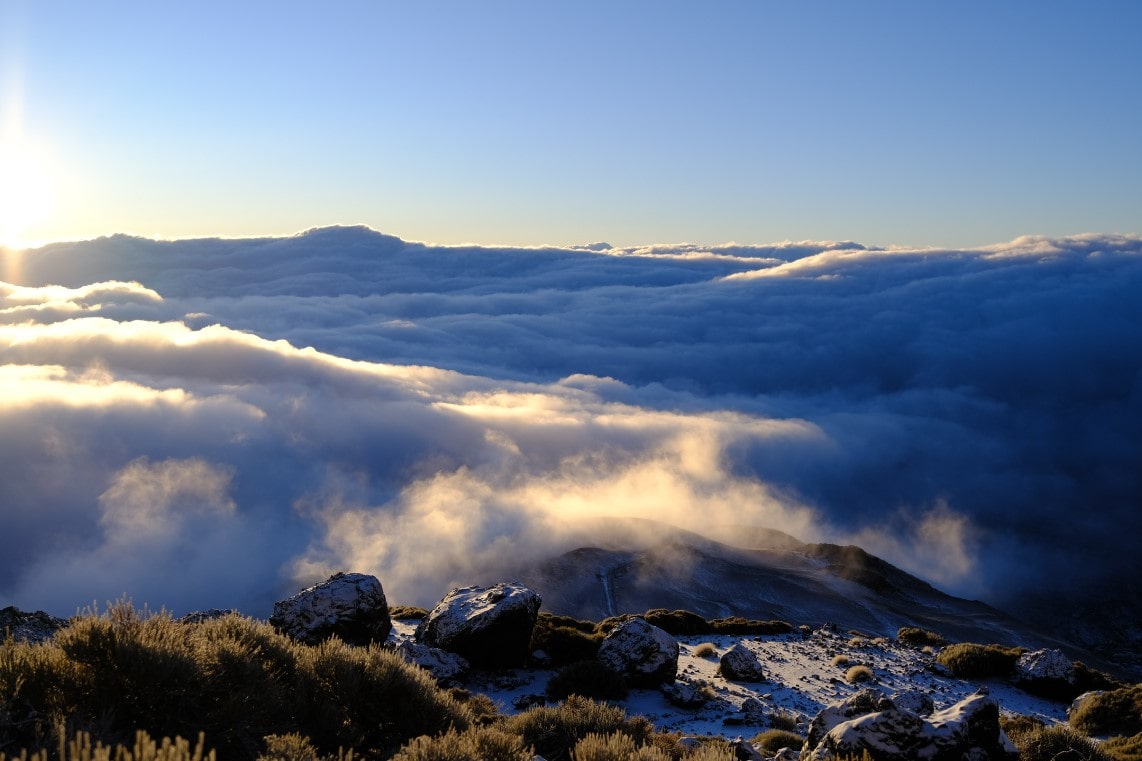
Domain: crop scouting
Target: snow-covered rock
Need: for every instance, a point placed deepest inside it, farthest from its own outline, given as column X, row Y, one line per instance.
column 740, row 664
column 968, row 729
column 642, row 652
column 916, row 701
column 860, row 704
column 1044, row 665
column 199, row 616
column 787, row 754
column 490, row 626
column 351, row 606
column 744, row 751
column 446, row 668
column 683, row 694
column 28, row 627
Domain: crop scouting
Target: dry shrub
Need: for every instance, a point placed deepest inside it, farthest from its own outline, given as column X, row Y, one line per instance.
column 914, row 636
column 772, row 740
column 407, row 613
column 554, row 730
column 591, row 679
column 473, row 744
column 739, row 625
column 564, row 639
column 1115, row 712
column 81, row 748
column 705, row 650
column 840, row 660
column 858, row 674
column 968, row 660
column 1057, row 743
column 680, row 623
column 1124, row 748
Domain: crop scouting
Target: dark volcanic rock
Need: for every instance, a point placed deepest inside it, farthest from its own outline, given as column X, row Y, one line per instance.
column 351, row 606
column 740, row 664
column 28, row 627
column 489, row 626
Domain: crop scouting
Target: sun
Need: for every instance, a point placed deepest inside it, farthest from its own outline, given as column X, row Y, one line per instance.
column 27, row 196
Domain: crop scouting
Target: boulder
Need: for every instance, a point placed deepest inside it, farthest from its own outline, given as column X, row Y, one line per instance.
column 744, row 751
column 1048, row 673
column 859, row 704
column 198, row 616
column 787, row 754
column 740, row 664
column 683, row 695
column 969, row 729
column 446, row 668
column 351, row 606
column 490, row 626
column 916, row 701
column 642, row 652
column 28, row 627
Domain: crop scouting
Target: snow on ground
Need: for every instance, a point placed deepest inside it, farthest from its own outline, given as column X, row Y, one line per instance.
column 802, row 680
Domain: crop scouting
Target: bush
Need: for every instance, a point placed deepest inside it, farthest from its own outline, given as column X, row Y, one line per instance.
column 407, row 612
column 1089, row 680
column 840, row 660
column 967, row 660
column 772, row 740
column 1058, row 743
column 236, row 679
column 858, row 674
column 473, row 744
column 680, row 623
column 705, row 650
column 739, row 625
column 914, row 636
column 783, row 720
column 1124, row 748
column 554, row 730
column 590, row 679
column 144, row 749
column 1018, row 726
column 565, row 640
column 1116, row 712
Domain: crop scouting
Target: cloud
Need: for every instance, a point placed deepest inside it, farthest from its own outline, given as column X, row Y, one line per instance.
column 970, row 415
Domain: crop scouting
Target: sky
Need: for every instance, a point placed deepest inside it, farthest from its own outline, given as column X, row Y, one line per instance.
column 918, row 124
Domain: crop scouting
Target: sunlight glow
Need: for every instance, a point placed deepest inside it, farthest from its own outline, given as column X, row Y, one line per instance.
column 27, row 192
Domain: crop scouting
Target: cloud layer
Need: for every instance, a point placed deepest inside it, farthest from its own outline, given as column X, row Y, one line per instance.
column 209, row 422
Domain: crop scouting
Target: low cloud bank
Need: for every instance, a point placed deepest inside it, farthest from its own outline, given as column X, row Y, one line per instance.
column 208, row 423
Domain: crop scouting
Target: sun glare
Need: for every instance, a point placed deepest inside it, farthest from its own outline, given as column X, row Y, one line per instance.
column 27, row 195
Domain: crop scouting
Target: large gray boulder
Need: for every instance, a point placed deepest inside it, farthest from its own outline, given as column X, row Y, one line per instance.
column 490, row 626
column 968, row 729
column 866, row 701
column 642, row 652
column 350, row 606
column 740, row 664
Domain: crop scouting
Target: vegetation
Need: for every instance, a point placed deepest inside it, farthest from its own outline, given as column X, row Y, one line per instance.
column 1116, row 712
column 684, row 623
column 968, row 660
column 235, row 679
column 772, row 740
column 705, row 650
column 591, row 679
column 552, row 731
column 1124, row 748
column 914, row 636
column 1057, row 743
column 840, row 660
column 783, row 720
column 566, row 640
column 858, row 674
column 472, row 744
column 407, row 612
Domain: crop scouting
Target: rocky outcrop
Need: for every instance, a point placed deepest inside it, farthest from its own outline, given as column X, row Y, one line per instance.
column 490, row 626
column 968, row 729
column 199, row 616
column 919, row 703
column 642, row 652
column 350, row 606
column 683, row 695
column 860, row 704
column 28, row 627
column 446, row 668
column 1046, row 672
column 740, row 664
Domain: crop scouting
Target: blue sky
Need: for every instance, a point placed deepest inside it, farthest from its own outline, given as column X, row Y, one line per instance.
column 526, row 123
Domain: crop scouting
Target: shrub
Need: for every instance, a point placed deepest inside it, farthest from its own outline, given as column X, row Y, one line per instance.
column 1058, row 743
column 1124, row 748
column 914, row 636
column 739, row 625
column 565, row 640
column 554, row 730
column 1116, row 712
column 967, row 660
column 591, row 679
column 1019, row 726
column 233, row 678
column 705, row 650
column 858, row 674
column 1089, row 680
column 772, row 740
column 80, row 748
column 680, row 623
column 473, row 744
column 613, row 747
column 291, row 747
column 840, row 660
column 783, row 720
column 407, row 612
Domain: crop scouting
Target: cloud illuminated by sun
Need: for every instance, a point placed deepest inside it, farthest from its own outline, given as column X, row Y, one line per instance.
column 27, row 192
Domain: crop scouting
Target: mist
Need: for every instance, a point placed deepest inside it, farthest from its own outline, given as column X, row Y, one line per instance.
column 210, row 423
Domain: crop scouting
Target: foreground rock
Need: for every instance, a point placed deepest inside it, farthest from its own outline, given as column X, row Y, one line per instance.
column 490, row 626
column 1046, row 672
column 446, row 668
column 642, row 652
column 28, row 627
column 967, row 730
column 351, row 606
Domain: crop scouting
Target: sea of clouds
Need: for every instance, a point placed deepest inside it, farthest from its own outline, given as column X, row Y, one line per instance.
column 210, row 423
